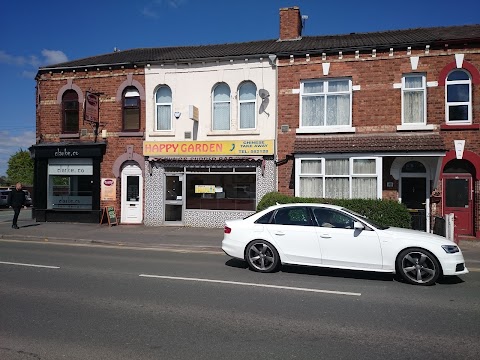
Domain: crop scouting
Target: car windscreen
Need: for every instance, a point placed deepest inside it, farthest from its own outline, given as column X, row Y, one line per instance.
column 375, row 224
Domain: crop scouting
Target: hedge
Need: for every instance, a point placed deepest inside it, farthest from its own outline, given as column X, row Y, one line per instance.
column 386, row 212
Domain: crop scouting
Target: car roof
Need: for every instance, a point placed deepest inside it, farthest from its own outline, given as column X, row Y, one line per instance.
column 329, row 206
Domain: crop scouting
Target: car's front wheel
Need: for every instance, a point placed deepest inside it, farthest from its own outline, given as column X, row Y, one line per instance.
column 418, row 266
column 262, row 256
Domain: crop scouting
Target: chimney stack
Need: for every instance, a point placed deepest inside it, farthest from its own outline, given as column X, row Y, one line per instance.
column 290, row 23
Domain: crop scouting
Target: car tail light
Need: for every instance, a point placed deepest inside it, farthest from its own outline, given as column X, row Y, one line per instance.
column 227, row 230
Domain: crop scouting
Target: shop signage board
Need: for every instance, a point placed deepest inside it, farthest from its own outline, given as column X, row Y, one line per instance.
column 108, row 190
column 204, row 189
column 109, row 215
column 211, row 148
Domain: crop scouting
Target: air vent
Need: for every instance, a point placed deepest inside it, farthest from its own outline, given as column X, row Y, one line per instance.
column 188, row 134
column 285, row 128
column 83, row 132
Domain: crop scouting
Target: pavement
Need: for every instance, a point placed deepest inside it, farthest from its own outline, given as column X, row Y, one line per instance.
column 131, row 236
column 172, row 238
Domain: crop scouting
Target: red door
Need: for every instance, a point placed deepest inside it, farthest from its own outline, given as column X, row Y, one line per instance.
column 458, row 199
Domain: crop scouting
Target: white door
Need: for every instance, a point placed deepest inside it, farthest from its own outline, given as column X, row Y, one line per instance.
column 295, row 235
column 343, row 246
column 132, row 195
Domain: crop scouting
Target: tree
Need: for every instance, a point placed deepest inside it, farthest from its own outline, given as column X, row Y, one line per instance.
column 20, row 168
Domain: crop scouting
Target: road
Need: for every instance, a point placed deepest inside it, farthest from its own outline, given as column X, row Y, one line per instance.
column 90, row 302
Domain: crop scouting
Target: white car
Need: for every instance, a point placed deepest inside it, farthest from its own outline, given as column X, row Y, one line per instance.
column 332, row 236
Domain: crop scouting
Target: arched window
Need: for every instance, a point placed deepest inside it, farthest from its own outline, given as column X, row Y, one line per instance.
column 70, row 111
column 247, row 105
column 163, row 109
column 221, row 107
column 131, row 109
column 458, row 106
column 413, row 167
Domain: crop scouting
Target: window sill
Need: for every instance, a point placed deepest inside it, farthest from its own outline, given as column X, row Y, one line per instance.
column 460, row 127
column 411, row 127
column 70, row 136
column 162, row 134
column 231, row 133
column 131, row 134
column 325, row 130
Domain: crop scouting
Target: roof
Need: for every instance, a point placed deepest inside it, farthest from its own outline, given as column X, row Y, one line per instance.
column 360, row 143
column 310, row 44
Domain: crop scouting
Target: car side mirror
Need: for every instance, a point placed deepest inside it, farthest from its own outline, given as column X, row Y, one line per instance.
column 357, row 225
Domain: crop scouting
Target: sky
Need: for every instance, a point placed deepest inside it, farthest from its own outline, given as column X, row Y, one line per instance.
column 37, row 33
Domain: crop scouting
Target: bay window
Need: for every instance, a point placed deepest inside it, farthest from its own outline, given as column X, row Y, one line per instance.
column 338, row 178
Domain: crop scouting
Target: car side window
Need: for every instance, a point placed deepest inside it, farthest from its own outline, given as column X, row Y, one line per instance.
column 293, row 216
column 265, row 219
column 332, row 219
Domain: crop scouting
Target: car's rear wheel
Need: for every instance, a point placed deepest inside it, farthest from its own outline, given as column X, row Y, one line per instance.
column 418, row 266
column 262, row 256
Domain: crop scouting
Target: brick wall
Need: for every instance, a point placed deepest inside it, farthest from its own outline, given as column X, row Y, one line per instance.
column 107, row 82
column 376, row 107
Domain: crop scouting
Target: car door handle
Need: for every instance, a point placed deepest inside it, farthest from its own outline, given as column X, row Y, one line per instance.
column 279, row 233
column 325, row 236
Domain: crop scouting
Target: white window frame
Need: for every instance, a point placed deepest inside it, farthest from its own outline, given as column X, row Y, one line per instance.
column 220, row 102
column 350, row 176
column 468, row 103
column 423, row 88
column 325, row 93
column 240, row 102
column 163, row 104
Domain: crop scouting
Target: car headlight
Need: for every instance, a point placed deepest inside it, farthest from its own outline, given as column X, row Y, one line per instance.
column 450, row 249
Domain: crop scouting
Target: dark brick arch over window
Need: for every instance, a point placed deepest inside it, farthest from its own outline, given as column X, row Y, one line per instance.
column 465, row 66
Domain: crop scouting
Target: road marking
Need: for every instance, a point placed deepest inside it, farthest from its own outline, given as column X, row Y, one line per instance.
column 31, row 265
column 250, row 284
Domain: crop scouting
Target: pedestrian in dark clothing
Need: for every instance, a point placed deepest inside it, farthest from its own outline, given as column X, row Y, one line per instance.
column 16, row 199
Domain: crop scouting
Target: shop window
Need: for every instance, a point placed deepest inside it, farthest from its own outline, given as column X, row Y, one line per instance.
column 70, row 110
column 458, row 108
column 338, row 178
column 163, row 109
column 210, row 191
column 414, row 99
column 221, row 107
column 70, row 184
column 325, row 103
column 247, row 104
column 131, row 109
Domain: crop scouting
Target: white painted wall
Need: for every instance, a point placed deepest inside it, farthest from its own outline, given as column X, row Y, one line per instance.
column 193, row 85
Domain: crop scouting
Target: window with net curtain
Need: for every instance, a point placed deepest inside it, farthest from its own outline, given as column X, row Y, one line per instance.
column 131, row 109
column 221, row 107
column 459, row 106
column 413, row 97
column 338, row 178
column 163, row 108
column 326, row 103
column 70, row 111
column 247, row 98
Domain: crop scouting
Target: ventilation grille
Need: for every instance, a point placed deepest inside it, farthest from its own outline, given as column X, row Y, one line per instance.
column 188, row 134
column 285, row 128
column 83, row 132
